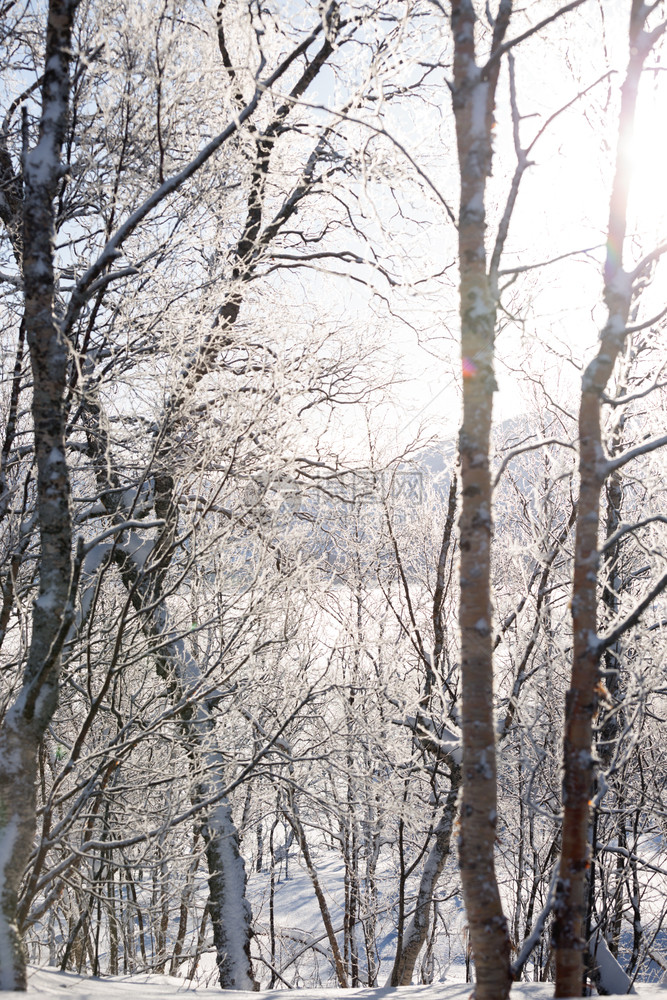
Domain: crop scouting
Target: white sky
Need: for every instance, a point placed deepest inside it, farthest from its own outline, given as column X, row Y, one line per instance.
column 562, row 208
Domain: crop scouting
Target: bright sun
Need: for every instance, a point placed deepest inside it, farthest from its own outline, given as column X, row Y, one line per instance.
column 648, row 161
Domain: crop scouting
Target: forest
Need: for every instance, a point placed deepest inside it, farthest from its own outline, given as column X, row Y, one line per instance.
column 333, row 547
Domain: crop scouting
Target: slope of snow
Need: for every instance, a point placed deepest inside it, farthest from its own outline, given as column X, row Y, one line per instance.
column 62, row 985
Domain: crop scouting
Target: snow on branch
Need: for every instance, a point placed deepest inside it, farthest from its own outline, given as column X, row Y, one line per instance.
column 625, row 853
column 647, row 322
column 123, row 526
column 623, row 400
column 439, row 739
column 112, row 250
column 536, row 933
column 612, row 464
column 11, row 279
column 624, row 528
column 515, row 452
column 614, row 634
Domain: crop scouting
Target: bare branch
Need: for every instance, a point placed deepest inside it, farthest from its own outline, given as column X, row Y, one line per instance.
column 17, row 103
column 642, row 449
column 565, row 107
column 609, row 638
column 545, row 263
column 528, row 447
column 522, row 165
column 377, row 130
column 506, row 46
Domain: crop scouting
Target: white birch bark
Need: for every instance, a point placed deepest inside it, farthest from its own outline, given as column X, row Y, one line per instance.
column 417, row 932
column 229, row 909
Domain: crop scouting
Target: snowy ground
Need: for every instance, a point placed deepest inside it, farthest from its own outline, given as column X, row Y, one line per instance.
column 67, row 986
column 298, row 920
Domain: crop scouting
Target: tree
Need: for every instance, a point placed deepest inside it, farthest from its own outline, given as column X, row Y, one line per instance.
column 27, row 719
column 479, row 306
column 594, row 471
column 473, row 101
column 218, row 591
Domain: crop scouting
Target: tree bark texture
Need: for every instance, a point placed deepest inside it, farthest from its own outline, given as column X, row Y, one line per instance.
column 473, row 97
column 581, row 699
column 36, row 702
column 230, row 911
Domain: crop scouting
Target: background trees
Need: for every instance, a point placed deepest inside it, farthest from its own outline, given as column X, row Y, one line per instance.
column 111, row 235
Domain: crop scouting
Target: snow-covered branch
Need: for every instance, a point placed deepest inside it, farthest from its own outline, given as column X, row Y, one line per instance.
column 113, row 248
column 612, row 464
column 122, row 526
column 515, row 452
column 624, row 529
column 613, row 635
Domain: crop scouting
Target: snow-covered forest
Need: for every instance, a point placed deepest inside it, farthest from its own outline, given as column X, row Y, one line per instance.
column 332, row 495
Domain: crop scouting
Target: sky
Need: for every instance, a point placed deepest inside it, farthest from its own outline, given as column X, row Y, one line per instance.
column 553, row 314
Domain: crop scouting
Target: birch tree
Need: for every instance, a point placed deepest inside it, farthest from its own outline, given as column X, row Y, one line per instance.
column 595, row 468
column 474, row 85
column 134, row 191
column 473, row 101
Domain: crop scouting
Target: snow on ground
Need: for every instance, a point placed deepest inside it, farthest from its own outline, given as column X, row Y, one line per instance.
column 67, row 986
column 298, row 920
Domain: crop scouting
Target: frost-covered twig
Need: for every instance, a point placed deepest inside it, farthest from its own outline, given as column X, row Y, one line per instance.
column 613, row 635
column 536, row 933
column 112, row 250
column 528, row 447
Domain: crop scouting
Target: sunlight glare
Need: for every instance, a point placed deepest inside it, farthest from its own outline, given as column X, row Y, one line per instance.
column 647, row 158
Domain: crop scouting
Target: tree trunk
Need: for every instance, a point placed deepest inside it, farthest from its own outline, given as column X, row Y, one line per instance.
column 473, row 97
column 230, row 911
column 294, row 821
column 582, row 697
column 35, row 705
